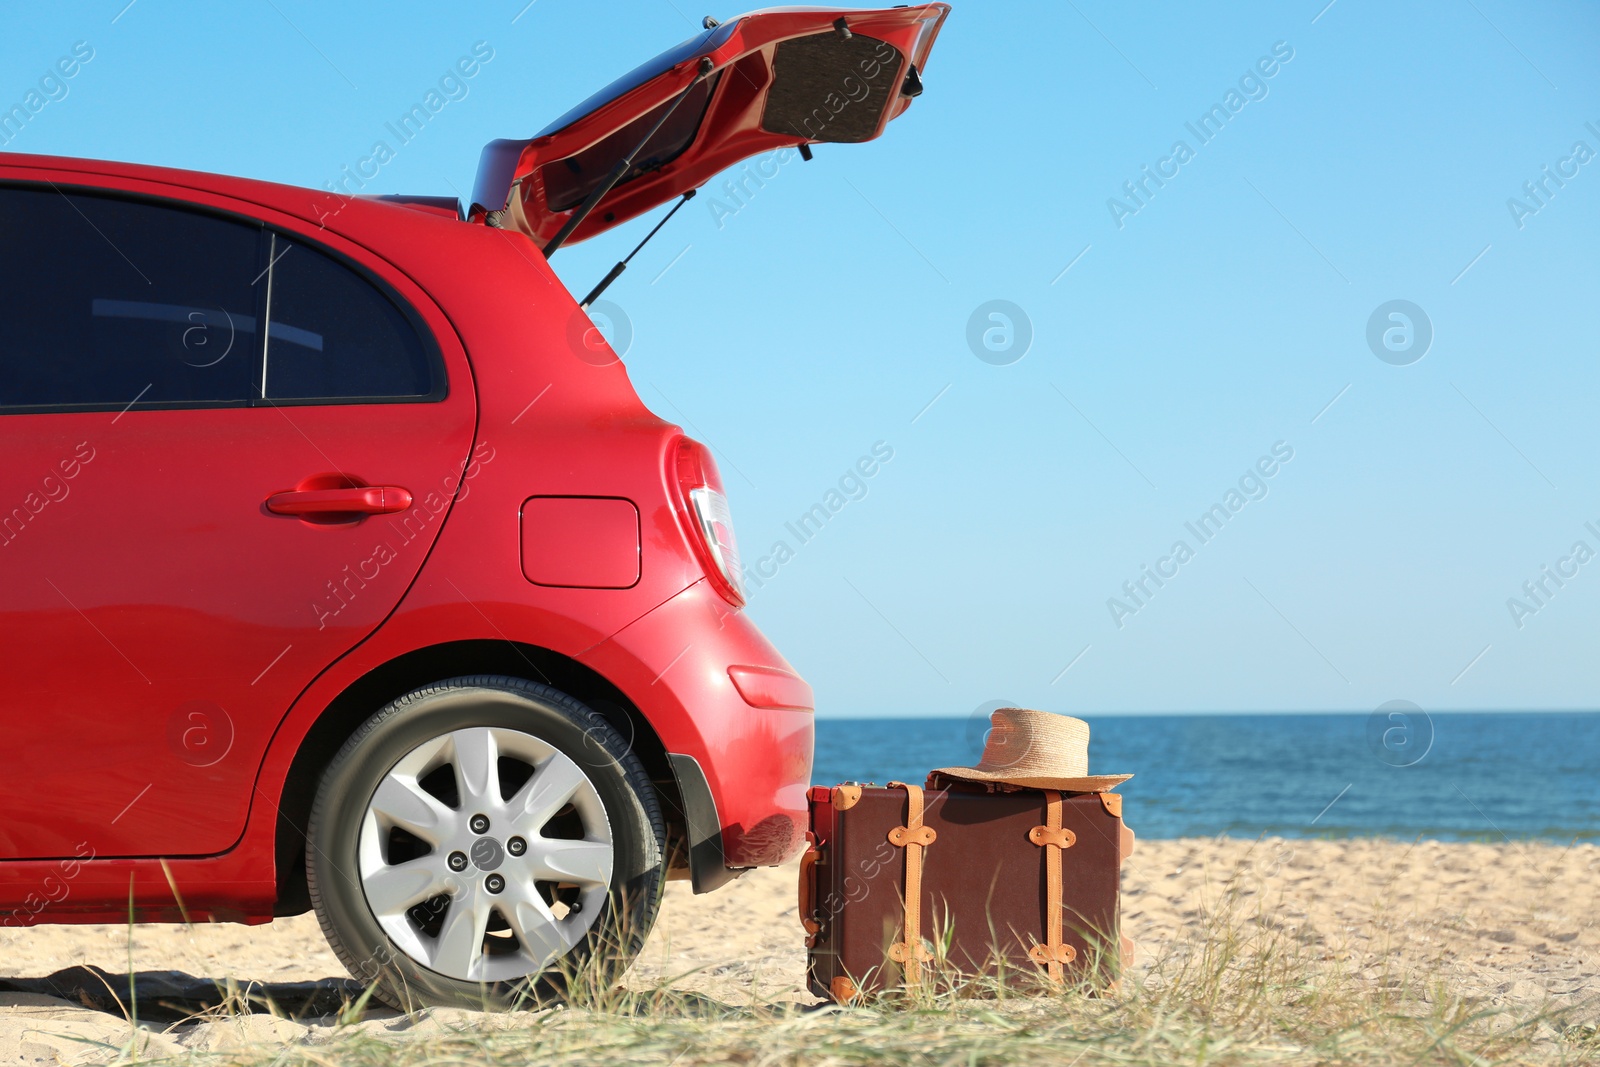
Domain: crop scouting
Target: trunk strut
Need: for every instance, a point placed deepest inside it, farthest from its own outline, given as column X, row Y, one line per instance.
column 622, row 264
column 624, row 165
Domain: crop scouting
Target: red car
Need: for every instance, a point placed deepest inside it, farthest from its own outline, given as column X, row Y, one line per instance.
column 343, row 568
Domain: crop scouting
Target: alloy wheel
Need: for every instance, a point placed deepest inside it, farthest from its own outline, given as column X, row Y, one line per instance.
column 485, row 854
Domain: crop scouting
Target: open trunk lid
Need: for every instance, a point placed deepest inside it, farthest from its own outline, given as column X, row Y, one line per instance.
column 770, row 79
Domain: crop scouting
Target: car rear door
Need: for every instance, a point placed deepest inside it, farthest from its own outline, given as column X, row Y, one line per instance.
column 226, row 448
column 777, row 78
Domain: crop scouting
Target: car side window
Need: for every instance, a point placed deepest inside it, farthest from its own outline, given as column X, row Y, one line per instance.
column 110, row 302
column 106, row 302
column 334, row 334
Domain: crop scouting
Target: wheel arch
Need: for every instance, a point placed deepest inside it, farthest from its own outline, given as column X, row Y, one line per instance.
column 358, row 701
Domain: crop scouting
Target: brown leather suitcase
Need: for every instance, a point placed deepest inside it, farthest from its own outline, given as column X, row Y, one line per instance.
column 971, row 871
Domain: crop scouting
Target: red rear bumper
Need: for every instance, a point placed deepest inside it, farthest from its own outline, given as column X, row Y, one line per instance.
column 715, row 689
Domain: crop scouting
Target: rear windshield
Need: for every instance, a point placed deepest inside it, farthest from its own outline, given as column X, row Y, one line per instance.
column 568, row 181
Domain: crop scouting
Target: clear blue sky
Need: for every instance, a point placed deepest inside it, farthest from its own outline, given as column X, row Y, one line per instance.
column 1219, row 319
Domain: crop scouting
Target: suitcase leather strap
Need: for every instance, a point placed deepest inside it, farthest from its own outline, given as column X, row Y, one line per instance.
column 914, row 837
column 1051, row 837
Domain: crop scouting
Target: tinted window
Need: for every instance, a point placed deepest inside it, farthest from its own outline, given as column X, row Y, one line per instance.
column 569, row 181
column 105, row 302
column 334, row 334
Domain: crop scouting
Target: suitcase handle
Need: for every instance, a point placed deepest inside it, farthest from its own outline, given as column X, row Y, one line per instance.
column 808, row 893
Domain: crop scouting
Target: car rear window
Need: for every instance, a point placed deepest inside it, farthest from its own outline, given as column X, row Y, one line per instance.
column 569, row 181
column 333, row 334
column 111, row 302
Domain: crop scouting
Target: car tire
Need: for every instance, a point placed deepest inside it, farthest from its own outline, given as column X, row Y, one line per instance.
column 482, row 842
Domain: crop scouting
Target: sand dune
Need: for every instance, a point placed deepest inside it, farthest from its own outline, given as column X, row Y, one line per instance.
column 1512, row 924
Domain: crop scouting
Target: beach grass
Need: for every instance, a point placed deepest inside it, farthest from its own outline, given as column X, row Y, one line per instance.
column 1244, row 989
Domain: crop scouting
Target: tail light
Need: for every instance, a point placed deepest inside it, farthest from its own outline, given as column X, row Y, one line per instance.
column 705, row 508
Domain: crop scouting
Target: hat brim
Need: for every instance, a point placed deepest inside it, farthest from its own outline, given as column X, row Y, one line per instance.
column 1095, row 783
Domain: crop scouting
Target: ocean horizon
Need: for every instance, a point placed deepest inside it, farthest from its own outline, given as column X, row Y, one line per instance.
column 1397, row 772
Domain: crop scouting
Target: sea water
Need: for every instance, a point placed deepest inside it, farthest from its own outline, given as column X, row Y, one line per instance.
column 1401, row 774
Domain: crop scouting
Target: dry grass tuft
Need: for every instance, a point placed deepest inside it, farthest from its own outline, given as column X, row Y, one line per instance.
column 1243, row 989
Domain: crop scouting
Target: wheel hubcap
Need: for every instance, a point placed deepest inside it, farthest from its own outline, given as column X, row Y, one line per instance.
column 485, row 906
column 486, row 854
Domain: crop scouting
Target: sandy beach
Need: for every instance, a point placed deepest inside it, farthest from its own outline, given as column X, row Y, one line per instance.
column 1506, row 924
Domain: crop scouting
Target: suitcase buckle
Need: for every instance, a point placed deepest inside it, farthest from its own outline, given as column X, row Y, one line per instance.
column 900, row 952
column 1044, row 835
column 1043, row 955
column 924, row 835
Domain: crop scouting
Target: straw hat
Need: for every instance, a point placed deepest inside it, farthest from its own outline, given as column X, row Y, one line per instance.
column 1037, row 750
